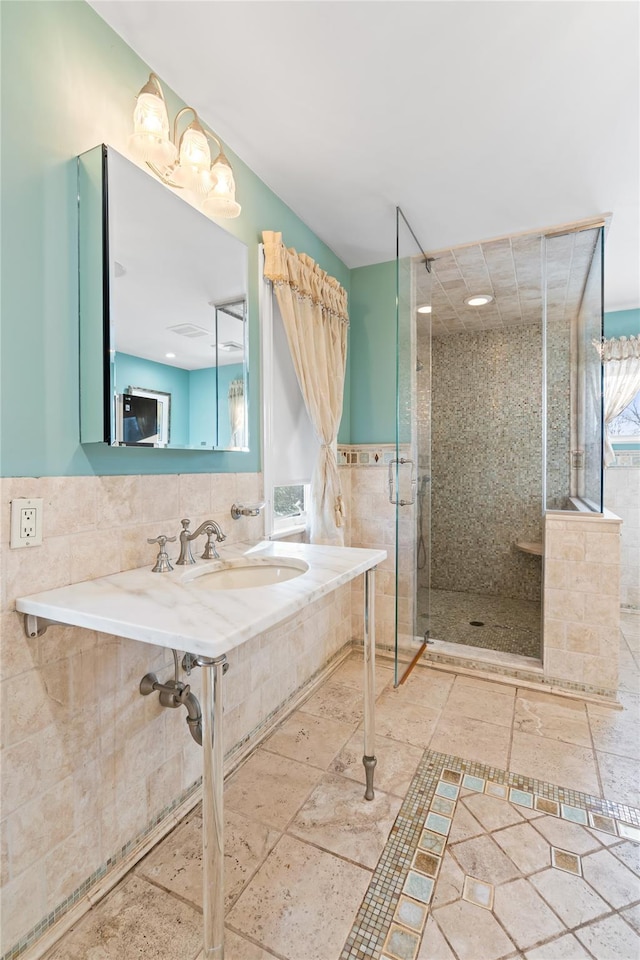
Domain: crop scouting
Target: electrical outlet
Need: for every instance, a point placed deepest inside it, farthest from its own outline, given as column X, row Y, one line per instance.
column 26, row 522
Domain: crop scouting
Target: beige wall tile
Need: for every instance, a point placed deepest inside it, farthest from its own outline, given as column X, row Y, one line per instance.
column 564, row 605
column 603, row 547
column 23, row 905
column 95, row 556
column 160, row 497
column 601, row 671
column 563, row 544
column 554, row 633
column 581, row 638
column 119, row 501
column 32, row 569
column 104, row 758
column 603, row 610
column 564, row 665
column 18, row 653
column 40, row 824
column 69, row 509
column 4, row 854
column 556, row 576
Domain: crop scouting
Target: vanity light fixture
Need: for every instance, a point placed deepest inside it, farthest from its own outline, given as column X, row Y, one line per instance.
column 424, row 308
column 184, row 163
column 478, row 299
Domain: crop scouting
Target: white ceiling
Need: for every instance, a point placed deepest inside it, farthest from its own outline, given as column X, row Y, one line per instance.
column 480, row 119
column 174, row 266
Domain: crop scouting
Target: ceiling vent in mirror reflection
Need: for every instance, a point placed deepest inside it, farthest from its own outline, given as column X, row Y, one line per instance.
column 188, row 330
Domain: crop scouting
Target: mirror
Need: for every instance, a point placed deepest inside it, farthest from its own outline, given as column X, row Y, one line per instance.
column 163, row 315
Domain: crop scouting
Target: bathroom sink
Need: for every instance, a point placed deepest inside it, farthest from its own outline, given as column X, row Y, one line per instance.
column 247, row 573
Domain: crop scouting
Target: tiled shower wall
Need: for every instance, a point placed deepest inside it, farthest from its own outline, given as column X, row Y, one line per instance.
column 622, row 497
column 87, row 763
column 371, row 523
column 486, row 460
column 581, row 606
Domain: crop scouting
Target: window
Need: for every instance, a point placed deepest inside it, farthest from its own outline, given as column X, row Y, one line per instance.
column 290, row 446
column 625, row 428
column 290, row 506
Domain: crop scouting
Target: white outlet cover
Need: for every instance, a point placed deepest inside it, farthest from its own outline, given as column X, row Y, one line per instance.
column 17, row 506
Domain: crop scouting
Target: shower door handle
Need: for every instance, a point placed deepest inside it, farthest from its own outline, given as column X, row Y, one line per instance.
column 393, row 493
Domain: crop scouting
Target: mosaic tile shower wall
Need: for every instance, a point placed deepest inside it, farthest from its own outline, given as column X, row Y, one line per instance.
column 558, row 415
column 486, row 461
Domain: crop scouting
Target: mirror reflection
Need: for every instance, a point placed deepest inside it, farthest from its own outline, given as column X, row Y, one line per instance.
column 175, row 317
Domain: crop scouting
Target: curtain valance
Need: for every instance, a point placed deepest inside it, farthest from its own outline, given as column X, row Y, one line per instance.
column 303, row 275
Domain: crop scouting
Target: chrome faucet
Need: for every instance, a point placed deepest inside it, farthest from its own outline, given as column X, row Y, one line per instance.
column 211, row 528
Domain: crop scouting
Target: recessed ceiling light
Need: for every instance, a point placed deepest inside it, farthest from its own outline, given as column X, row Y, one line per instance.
column 424, row 308
column 478, row 300
column 170, row 356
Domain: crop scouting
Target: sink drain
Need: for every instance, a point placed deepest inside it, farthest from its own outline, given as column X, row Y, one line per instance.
column 476, row 623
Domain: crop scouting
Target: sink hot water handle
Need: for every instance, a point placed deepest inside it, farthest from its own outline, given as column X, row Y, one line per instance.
column 163, row 564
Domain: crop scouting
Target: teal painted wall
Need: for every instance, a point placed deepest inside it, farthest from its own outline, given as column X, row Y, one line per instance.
column 622, row 323
column 138, row 372
column 69, row 83
column 373, row 352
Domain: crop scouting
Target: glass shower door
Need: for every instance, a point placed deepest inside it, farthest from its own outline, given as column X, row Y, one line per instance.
column 573, row 330
column 409, row 472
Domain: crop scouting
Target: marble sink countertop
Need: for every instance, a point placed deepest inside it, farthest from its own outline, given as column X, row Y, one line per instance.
column 167, row 610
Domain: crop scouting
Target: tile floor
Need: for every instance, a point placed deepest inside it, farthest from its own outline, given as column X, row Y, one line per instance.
column 505, row 824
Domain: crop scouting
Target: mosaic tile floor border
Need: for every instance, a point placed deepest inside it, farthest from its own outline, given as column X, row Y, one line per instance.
column 394, row 910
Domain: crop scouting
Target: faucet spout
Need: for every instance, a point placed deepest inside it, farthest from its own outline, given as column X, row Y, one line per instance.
column 211, row 528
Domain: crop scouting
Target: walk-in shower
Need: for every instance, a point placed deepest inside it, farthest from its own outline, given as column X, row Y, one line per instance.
column 498, row 420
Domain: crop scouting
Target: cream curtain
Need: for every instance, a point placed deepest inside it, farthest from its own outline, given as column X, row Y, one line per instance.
column 236, row 412
column 314, row 312
column 621, row 361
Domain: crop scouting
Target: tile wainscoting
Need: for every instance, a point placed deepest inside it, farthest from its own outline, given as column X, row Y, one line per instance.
column 89, row 767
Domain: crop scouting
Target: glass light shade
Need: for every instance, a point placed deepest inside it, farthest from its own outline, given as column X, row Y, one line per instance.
column 150, row 139
column 195, row 160
column 478, row 300
column 221, row 200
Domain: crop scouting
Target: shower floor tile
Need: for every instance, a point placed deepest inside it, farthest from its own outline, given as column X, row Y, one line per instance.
column 305, row 882
column 501, row 623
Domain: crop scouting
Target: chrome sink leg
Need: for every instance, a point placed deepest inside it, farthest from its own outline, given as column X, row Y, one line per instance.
column 369, row 758
column 212, row 807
